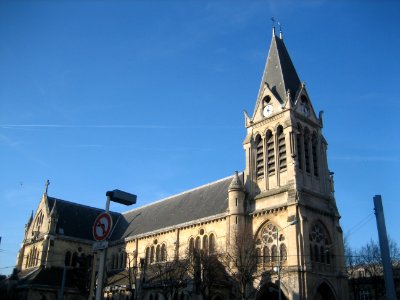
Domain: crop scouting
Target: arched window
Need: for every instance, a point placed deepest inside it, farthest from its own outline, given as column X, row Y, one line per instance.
column 205, row 244
column 121, row 260
column 74, row 259
column 281, row 149
column 314, row 147
column 283, row 252
column 212, row 244
column 158, row 253
column 27, row 261
column 67, row 261
column 163, row 253
column 267, row 242
column 259, row 256
column 270, row 154
column 191, row 246
column 320, row 243
column 274, row 254
column 147, row 255
column 152, row 254
column 299, row 147
column 307, row 149
column 259, row 157
column 198, row 244
column 266, row 255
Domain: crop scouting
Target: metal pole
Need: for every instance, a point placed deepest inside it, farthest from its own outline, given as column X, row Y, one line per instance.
column 61, row 296
column 100, row 276
column 384, row 245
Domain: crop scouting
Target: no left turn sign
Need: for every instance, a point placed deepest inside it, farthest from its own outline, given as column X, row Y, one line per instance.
column 102, row 226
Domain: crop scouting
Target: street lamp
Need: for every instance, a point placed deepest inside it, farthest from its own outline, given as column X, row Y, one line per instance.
column 295, row 221
column 119, row 197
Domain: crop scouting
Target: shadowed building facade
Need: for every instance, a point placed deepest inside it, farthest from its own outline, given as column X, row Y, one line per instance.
column 283, row 202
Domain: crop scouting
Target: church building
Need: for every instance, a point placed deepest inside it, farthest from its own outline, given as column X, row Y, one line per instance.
column 270, row 231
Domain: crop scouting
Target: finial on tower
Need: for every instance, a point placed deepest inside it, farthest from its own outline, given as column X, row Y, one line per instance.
column 46, row 185
column 273, row 26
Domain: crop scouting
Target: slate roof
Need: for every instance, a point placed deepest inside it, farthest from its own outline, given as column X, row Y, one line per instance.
column 75, row 219
column 279, row 72
column 201, row 202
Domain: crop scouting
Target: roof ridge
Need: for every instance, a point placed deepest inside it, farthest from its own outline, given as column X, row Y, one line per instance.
column 179, row 194
column 82, row 205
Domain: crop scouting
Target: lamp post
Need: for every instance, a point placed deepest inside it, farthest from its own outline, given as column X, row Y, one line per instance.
column 295, row 221
column 125, row 199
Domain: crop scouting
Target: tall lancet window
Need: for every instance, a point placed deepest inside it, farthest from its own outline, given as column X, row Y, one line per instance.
column 281, row 149
column 314, row 148
column 299, row 147
column 270, row 154
column 307, row 150
column 259, row 157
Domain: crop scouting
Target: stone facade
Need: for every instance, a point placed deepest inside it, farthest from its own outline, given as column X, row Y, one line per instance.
column 283, row 201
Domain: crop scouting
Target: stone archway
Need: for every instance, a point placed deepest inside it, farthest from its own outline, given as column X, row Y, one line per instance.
column 269, row 291
column 324, row 292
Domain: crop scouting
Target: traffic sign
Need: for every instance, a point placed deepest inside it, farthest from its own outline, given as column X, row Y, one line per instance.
column 102, row 226
column 100, row 245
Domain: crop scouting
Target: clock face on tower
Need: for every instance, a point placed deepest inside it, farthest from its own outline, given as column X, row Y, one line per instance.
column 268, row 110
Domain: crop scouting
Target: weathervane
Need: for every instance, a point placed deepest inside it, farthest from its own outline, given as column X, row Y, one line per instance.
column 273, row 26
column 47, row 185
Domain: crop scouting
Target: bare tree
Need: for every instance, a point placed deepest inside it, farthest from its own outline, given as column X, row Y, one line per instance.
column 169, row 277
column 241, row 263
column 208, row 272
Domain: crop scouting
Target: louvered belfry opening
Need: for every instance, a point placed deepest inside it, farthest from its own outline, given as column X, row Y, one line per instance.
column 270, row 154
column 314, row 154
column 281, row 149
column 259, row 157
column 307, row 150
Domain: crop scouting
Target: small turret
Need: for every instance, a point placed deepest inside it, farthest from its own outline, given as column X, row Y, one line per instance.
column 236, row 195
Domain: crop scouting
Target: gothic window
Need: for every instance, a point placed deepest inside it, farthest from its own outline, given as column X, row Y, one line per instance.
column 299, row 148
column 314, row 147
column 158, row 253
column 259, row 257
column 121, row 260
column 205, row 244
column 147, row 256
column 270, row 154
column 259, row 157
column 319, row 244
column 152, row 254
column 283, row 252
column 274, row 254
column 163, row 253
column 74, row 259
column 267, row 243
column 266, row 255
column 67, row 260
column 191, row 247
column 198, row 244
column 212, row 244
column 307, row 150
column 281, row 149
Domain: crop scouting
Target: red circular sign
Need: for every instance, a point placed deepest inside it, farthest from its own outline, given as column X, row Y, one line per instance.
column 102, row 226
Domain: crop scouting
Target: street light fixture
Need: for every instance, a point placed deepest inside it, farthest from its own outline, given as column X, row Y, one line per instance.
column 119, row 197
column 295, row 221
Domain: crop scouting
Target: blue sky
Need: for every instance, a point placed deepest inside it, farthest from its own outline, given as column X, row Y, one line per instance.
column 148, row 97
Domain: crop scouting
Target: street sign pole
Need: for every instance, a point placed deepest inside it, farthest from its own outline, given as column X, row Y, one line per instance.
column 100, row 277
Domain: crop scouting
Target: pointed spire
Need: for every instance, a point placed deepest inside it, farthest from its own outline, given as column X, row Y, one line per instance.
column 279, row 73
column 236, row 183
column 46, row 185
column 30, row 219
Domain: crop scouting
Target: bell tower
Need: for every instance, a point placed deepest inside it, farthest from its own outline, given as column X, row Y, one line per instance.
column 287, row 178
